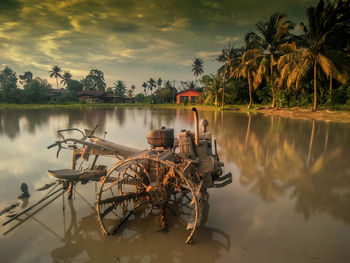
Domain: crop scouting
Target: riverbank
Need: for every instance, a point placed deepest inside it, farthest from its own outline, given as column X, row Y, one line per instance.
column 297, row 113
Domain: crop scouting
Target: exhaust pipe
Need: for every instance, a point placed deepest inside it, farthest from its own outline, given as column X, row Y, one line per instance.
column 196, row 128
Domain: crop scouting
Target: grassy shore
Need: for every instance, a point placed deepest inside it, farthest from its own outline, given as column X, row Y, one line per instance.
column 337, row 114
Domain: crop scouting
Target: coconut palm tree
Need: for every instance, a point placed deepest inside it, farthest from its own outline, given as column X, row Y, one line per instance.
column 313, row 51
column 131, row 91
column 151, row 84
column 230, row 59
column 247, row 69
column 144, row 85
column 271, row 35
column 212, row 89
column 65, row 77
column 55, row 72
column 159, row 83
column 197, row 67
column 119, row 88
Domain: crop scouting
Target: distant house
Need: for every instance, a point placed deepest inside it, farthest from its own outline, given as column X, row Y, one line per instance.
column 99, row 96
column 53, row 94
column 185, row 96
column 91, row 96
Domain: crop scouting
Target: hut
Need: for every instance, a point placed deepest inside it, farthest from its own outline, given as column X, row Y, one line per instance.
column 91, row 96
column 188, row 95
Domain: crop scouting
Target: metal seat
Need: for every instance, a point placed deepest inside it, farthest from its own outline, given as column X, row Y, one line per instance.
column 66, row 174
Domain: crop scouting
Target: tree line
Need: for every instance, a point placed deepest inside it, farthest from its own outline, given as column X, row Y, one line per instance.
column 283, row 69
column 27, row 89
column 275, row 67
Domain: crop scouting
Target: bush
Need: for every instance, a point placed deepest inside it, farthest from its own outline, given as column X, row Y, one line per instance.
column 282, row 98
column 264, row 95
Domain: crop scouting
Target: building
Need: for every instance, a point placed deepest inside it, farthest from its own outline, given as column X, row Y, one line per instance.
column 99, row 96
column 54, row 94
column 186, row 96
column 91, row 96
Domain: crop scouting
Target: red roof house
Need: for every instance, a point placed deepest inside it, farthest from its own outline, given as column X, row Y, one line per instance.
column 185, row 96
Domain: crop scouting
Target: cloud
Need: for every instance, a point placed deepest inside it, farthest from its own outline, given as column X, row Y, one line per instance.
column 208, row 54
column 124, row 36
column 178, row 24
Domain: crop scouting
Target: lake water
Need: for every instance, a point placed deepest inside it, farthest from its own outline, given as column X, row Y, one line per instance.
column 289, row 200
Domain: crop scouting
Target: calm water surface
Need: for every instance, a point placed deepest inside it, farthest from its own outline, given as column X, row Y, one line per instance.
column 289, row 200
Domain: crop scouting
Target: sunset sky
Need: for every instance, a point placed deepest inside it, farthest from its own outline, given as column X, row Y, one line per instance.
column 129, row 40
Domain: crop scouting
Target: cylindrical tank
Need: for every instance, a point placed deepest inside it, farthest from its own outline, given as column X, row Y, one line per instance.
column 163, row 137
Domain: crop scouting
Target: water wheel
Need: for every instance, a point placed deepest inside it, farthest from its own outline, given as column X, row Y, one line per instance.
column 135, row 186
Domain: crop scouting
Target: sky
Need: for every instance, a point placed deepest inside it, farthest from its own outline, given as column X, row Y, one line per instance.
column 130, row 40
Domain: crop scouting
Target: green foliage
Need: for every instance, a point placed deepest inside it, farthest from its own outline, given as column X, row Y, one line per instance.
column 140, row 98
column 8, row 85
column 74, row 86
column 120, row 88
column 36, row 91
column 26, row 77
column 67, row 96
column 264, row 95
column 94, row 81
column 282, row 98
column 340, row 95
column 236, row 92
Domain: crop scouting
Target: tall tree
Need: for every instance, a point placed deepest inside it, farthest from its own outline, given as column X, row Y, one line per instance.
column 26, row 77
column 65, row 77
column 120, row 88
column 323, row 20
column 212, row 89
column 247, row 69
column 197, row 67
column 8, row 84
column 144, row 85
column 151, row 84
column 159, row 83
column 95, row 80
column 131, row 91
column 55, row 72
column 271, row 35
column 230, row 58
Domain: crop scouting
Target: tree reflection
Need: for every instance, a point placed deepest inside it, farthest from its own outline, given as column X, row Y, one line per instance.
column 83, row 240
column 307, row 160
column 13, row 122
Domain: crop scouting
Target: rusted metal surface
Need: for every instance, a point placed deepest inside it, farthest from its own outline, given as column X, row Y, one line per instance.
column 173, row 172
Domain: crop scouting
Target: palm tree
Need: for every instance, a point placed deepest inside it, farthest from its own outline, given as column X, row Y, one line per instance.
column 55, row 72
column 96, row 80
column 314, row 52
column 144, row 85
column 66, row 76
column 230, row 59
column 272, row 34
column 159, row 83
column 212, row 89
column 197, row 67
column 247, row 68
column 131, row 91
column 151, row 84
column 119, row 88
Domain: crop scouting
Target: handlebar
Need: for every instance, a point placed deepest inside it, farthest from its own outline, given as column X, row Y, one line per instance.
column 53, row 145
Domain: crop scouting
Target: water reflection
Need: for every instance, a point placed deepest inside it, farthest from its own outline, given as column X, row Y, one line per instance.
column 83, row 240
column 306, row 160
column 291, row 178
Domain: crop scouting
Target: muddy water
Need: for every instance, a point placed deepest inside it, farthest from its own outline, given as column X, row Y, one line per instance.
column 289, row 200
